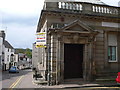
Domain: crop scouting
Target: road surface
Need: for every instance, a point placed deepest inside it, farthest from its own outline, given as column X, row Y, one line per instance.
column 23, row 80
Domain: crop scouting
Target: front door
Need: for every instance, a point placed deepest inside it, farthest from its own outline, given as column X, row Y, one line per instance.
column 73, row 59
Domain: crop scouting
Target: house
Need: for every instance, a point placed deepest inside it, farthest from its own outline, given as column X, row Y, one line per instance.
column 8, row 56
column 16, row 59
column 23, row 60
column 81, row 41
column 2, row 38
column 7, row 53
column 1, row 43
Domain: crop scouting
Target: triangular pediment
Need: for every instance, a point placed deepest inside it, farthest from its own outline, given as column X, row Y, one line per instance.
column 77, row 26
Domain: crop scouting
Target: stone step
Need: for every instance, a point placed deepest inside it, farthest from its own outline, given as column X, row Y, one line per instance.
column 40, row 81
column 107, row 74
column 69, row 81
column 106, row 78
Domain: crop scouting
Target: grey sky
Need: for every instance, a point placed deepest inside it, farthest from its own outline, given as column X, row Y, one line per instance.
column 19, row 19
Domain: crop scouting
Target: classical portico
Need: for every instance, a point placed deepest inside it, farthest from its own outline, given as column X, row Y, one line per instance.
column 71, row 45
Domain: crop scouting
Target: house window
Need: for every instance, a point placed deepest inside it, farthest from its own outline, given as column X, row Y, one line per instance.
column 112, row 53
column 112, row 47
column 8, row 58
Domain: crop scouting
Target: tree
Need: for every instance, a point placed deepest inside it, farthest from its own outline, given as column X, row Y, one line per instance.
column 28, row 52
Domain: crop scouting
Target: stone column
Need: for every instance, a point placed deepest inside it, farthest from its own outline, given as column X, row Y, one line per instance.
column 85, row 73
column 53, row 59
column 58, row 62
column 90, row 60
column 87, row 62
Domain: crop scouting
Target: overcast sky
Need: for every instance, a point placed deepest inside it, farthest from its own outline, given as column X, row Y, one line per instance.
column 19, row 19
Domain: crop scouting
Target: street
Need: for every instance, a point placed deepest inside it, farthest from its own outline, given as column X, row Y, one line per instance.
column 23, row 80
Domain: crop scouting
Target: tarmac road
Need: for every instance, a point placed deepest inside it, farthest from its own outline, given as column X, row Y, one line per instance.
column 10, row 79
column 24, row 81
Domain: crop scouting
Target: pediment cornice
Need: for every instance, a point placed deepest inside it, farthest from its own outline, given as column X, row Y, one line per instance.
column 77, row 26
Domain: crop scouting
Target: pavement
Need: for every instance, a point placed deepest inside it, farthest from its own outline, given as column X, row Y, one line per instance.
column 81, row 84
column 24, row 80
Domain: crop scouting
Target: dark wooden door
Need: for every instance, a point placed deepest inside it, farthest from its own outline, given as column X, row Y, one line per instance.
column 73, row 59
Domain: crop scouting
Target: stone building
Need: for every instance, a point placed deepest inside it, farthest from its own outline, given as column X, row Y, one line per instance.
column 82, row 41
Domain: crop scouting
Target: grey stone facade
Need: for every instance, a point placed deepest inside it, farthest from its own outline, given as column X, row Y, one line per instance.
column 83, row 25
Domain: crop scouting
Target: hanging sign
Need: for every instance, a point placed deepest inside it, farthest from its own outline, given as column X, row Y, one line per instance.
column 41, row 39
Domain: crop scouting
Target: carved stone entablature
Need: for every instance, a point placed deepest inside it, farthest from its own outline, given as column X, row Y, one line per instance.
column 91, row 39
column 76, row 31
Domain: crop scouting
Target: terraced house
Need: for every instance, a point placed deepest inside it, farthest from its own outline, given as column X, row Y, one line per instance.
column 82, row 41
column 7, row 58
column 1, row 49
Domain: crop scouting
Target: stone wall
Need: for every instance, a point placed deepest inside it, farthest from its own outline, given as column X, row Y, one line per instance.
column 95, row 61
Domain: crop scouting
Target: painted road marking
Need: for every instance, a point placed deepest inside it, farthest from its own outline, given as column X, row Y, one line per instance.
column 98, row 88
column 13, row 83
column 16, row 82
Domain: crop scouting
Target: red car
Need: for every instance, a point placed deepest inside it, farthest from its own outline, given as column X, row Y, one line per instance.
column 118, row 78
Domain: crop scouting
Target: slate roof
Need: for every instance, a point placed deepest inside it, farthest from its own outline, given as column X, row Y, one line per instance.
column 8, row 45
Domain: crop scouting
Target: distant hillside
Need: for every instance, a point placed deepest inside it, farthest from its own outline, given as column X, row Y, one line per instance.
column 26, row 51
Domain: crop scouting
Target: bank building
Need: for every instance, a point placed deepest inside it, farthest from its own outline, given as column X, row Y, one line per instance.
column 81, row 41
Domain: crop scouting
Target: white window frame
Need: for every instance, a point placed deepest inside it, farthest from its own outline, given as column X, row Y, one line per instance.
column 116, row 55
column 114, row 44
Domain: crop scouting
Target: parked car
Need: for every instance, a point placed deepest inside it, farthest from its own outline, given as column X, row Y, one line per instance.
column 13, row 69
column 118, row 78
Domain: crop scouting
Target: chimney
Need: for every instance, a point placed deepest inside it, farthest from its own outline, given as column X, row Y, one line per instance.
column 2, row 34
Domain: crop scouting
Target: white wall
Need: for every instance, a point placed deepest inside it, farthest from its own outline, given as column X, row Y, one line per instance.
column 1, row 45
column 8, row 56
column 16, row 57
